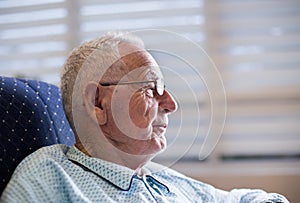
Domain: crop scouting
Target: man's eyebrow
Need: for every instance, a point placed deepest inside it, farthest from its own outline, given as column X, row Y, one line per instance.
column 153, row 75
column 150, row 84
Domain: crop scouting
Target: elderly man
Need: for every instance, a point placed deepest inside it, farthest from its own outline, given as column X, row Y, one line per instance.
column 118, row 107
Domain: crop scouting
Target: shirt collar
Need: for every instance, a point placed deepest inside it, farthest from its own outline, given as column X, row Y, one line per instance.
column 118, row 175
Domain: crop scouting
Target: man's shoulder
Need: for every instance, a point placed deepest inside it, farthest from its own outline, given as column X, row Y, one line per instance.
column 44, row 155
column 56, row 151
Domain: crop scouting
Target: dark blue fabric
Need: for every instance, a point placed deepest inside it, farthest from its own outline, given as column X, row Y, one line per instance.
column 31, row 116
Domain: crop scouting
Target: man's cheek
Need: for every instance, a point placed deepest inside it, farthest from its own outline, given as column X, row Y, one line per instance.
column 138, row 112
column 151, row 109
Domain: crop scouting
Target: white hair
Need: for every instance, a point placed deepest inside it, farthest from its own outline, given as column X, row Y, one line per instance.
column 89, row 62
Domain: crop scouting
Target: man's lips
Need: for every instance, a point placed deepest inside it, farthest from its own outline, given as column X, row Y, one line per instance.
column 160, row 125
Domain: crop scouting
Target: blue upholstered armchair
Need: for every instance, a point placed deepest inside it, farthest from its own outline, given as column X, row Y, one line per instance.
column 31, row 116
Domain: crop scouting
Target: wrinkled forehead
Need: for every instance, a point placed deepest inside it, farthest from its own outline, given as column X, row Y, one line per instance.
column 139, row 63
column 144, row 73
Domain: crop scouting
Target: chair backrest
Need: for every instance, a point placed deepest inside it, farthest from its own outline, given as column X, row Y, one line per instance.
column 31, row 116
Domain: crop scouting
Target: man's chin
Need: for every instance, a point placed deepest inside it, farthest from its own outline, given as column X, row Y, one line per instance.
column 160, row 142
column 157, row 144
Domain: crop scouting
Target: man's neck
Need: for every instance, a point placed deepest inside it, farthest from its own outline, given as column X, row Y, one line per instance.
column 106, row 151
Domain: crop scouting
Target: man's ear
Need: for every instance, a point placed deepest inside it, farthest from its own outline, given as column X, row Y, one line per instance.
column 93, row 101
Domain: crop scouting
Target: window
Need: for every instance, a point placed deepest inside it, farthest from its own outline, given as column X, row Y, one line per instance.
column 254, row 44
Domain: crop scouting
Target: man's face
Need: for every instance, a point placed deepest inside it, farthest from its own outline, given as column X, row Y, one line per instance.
column 138, row 115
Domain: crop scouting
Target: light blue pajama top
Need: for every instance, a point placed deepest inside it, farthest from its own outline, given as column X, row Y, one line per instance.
column 59, row 173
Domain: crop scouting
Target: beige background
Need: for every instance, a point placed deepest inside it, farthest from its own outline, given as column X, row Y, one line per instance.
column 288, row 185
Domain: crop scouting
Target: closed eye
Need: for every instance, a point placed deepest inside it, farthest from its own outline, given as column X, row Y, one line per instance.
column 149, row 92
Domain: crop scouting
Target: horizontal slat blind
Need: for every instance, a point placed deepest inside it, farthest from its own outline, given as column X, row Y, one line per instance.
column 33, row 38
column 256, row 45
column 184, row 17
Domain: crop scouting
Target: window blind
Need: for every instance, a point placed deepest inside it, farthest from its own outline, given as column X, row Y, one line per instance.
column 33, row 38
column 255, row 46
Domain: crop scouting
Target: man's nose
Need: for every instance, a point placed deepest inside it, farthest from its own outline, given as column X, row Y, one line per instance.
column 167, row 102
